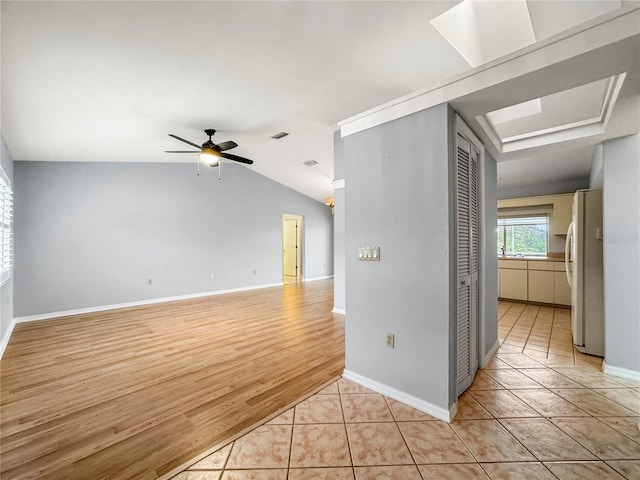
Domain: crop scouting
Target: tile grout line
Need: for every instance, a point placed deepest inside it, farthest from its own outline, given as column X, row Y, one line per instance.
column 535, row 319
column 293, row 426
column 549, row 419
column 553, row 322
column 589, row 376
column 395, row 422
column 353, row 468
column 527, row 449
column 513, row 325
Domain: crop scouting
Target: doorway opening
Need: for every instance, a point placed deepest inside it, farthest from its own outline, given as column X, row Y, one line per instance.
column 292, row 228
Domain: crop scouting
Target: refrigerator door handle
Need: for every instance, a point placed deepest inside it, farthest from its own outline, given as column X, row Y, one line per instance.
column 567, row 255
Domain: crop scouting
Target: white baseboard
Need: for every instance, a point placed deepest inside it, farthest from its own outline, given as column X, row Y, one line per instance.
column 5, row 338
column 316, row 278
column 487, row 358
column 440, row 413
column 341, row 311
column 620, row 372
column 101, row 308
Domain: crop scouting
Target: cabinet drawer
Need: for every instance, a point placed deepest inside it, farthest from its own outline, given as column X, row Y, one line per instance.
column 559, row 267
column 513, row 264
column 540, row 265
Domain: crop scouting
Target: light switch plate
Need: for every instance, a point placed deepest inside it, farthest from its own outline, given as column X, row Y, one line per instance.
column 369, row 254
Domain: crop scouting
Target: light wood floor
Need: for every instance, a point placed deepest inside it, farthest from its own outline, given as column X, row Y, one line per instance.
column 137, row 392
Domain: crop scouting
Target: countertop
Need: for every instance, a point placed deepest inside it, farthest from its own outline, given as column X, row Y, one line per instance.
column 553, row 257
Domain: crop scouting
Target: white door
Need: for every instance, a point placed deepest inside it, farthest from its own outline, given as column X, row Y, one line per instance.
column 468, row 259
column 290, row 247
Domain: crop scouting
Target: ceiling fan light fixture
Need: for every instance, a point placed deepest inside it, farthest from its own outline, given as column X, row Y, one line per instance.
column 209, row 158
column 211, row 153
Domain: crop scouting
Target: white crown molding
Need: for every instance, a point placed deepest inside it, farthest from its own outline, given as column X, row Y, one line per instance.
column 608, row 29
column 560, row 133
column 446, row 415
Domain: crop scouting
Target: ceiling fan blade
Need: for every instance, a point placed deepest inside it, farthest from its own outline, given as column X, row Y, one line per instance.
column 235, row 158
column 181, row 151
column 221, row 147
column 183, row 140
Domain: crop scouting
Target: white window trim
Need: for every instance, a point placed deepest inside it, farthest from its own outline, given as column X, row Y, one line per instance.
column 514, row 213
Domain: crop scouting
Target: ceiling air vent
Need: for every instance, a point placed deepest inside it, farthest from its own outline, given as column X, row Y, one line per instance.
column 310, row 163
column 280, row 135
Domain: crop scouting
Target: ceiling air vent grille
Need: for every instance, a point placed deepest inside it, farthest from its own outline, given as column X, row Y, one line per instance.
column 280, row 135
column 310, row 163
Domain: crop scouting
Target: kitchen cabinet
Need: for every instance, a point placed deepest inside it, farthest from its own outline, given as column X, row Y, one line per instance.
column 512, row 275
column 561, row 289
column 561, row 209
column 562, row 213
column 538, row 281
column 540, row 286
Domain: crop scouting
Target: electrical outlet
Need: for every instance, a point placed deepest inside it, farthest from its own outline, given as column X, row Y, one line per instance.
column 390, row 341
column 215, row 275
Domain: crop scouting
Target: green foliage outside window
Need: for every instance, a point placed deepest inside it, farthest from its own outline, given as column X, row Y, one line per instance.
column 525, row 236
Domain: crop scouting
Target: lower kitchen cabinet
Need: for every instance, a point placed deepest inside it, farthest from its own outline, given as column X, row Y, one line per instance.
column 513, row 284
column 533, row 281
column 541, row 286
column 561, row 289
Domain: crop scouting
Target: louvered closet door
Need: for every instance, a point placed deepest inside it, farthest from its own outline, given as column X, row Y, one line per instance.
column 467, row 261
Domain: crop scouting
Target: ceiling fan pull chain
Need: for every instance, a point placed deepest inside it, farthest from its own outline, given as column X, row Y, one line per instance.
column 198, row 165
column 220, row 170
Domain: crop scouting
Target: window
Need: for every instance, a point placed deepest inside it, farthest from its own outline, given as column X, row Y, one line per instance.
column 523, row 236
column 6, row 235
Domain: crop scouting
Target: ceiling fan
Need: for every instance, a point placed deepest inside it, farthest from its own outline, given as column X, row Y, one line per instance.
column 209, row 152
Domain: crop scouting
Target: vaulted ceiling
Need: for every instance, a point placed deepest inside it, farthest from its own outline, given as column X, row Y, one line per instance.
column 107, row 81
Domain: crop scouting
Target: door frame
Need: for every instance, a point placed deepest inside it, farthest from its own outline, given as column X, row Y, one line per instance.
column 299, row 242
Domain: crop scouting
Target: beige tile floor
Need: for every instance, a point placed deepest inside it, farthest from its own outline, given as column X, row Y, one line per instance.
column 538, row 410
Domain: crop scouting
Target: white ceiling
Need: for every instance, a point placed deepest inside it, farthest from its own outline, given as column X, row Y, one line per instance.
column 107, row 81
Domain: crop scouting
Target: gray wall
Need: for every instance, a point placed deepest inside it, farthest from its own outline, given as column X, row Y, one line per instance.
column 6, row 292
column 338, row 226
column 596, row 177
column 397, row 197
column 621, row 202
column 490, row 276
column 338, row 156
column 339, row 222
column 92, row 234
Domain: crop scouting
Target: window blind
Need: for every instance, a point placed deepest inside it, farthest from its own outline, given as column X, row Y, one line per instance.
column 6, row 233
column 533, row 220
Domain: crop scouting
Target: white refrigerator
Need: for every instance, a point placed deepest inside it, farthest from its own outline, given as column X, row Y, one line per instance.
column 583, row 258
